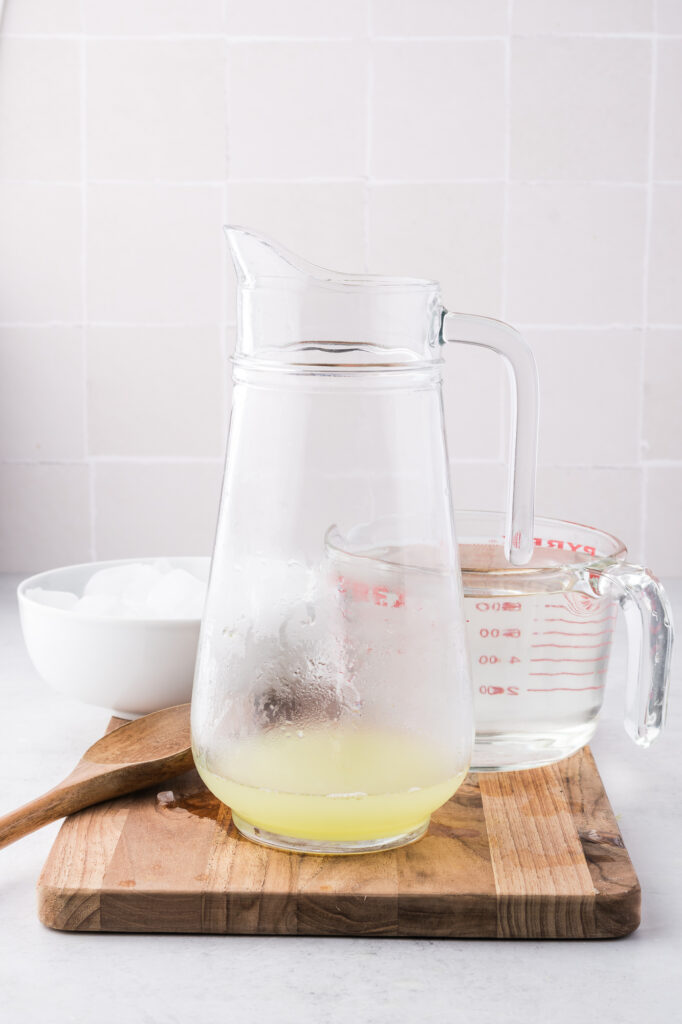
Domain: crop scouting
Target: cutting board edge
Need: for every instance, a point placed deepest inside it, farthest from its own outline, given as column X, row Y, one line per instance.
column 68, row 910
column 110, row 911
column 619, row 914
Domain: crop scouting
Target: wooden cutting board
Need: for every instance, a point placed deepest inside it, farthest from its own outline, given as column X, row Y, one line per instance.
column 533, row 854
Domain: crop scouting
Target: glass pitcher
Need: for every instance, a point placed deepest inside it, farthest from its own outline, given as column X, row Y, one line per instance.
column 333, row 715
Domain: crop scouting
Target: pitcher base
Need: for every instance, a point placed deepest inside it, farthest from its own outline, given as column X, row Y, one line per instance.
column 296, row 844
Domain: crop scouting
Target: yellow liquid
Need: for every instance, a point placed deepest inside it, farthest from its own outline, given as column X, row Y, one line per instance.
column 332, row 784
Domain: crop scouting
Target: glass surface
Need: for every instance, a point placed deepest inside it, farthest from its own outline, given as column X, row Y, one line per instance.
column 326, row 708
column 541, row 636
column 332, row 706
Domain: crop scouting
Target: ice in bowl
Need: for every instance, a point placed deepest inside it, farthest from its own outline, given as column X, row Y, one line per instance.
column 122, row 635
column 138, row 590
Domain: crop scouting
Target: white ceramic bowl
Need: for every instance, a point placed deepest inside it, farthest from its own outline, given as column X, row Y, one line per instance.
column 129, row 666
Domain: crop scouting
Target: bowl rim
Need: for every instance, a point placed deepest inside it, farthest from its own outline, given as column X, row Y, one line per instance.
column 137, row 622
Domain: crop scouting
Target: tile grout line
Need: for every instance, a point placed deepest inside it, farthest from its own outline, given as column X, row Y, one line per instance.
column 504, row 283
column 230, row 322
column 92, row 499
column 218, row 460
column 224, row 327
column 357, row 179
column 225, row 211
column 369, row 97
column 646, row 261
column 243, row 40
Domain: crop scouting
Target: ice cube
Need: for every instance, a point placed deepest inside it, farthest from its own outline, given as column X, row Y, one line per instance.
column 53, row 598
column 130, row 584
column 99, row 604
column 177, row 595
column 162, row 565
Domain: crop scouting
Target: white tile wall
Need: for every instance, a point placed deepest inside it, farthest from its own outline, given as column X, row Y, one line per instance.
column 296, row 110
column 153, row 508
column 575, row 253
column 156, row 109
column 436, row 18
column 597, row 496
column 303, row 18
column 44, row 515
column 669, row 16
column 668, row 143
column 154, row 253
column 527, row 153
column 583, row 420
column 665, row 283
column 151, row 17
column 450, row 232
column 425, row 123
column 663, row 537
column 42, row 391
column 41, row 254
column 156, row 391
column 40, row 109
column 662, row 426
column 42, row 16
column 587, row 125
column 590, row 16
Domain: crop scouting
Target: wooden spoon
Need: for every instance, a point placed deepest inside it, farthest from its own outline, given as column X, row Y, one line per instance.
column 136, row 755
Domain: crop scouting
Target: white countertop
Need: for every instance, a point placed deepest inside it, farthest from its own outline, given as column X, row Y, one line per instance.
column 53, row 977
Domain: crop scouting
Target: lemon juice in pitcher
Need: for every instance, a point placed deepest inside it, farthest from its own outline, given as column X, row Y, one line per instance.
column 331, row 784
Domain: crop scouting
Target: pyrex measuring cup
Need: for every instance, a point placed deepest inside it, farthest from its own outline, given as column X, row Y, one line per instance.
column 540, row 637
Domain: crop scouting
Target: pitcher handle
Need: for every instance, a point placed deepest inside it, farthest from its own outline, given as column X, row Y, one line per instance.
column 649, row 624
column 520, row 362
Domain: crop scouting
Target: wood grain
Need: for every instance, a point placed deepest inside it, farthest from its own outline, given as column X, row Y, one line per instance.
column 542, row 880
column 533, row 854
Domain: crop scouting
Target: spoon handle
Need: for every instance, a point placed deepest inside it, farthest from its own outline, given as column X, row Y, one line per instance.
column 56, row 803
column 88, row 785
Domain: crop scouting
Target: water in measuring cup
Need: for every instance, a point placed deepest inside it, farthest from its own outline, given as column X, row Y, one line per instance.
column 539, row 661
column 331, row 783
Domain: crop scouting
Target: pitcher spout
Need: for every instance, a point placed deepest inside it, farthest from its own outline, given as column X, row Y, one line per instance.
column 256, row 257
column 291, row 311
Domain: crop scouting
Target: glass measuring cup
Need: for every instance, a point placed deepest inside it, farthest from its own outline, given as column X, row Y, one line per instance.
column 540, row 637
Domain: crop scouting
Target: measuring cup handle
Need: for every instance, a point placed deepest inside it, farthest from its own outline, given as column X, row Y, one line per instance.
column 507, row 342
column 648, row 619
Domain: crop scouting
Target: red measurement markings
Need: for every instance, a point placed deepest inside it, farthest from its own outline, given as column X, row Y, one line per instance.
column 568, row 689
column 571, row 647
column 380, row 596
column 548, row 674
column 584, row 622
column 498, row 606
column 492, row 691
column 495, row 633
column 585, row 661
column 559, row 632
